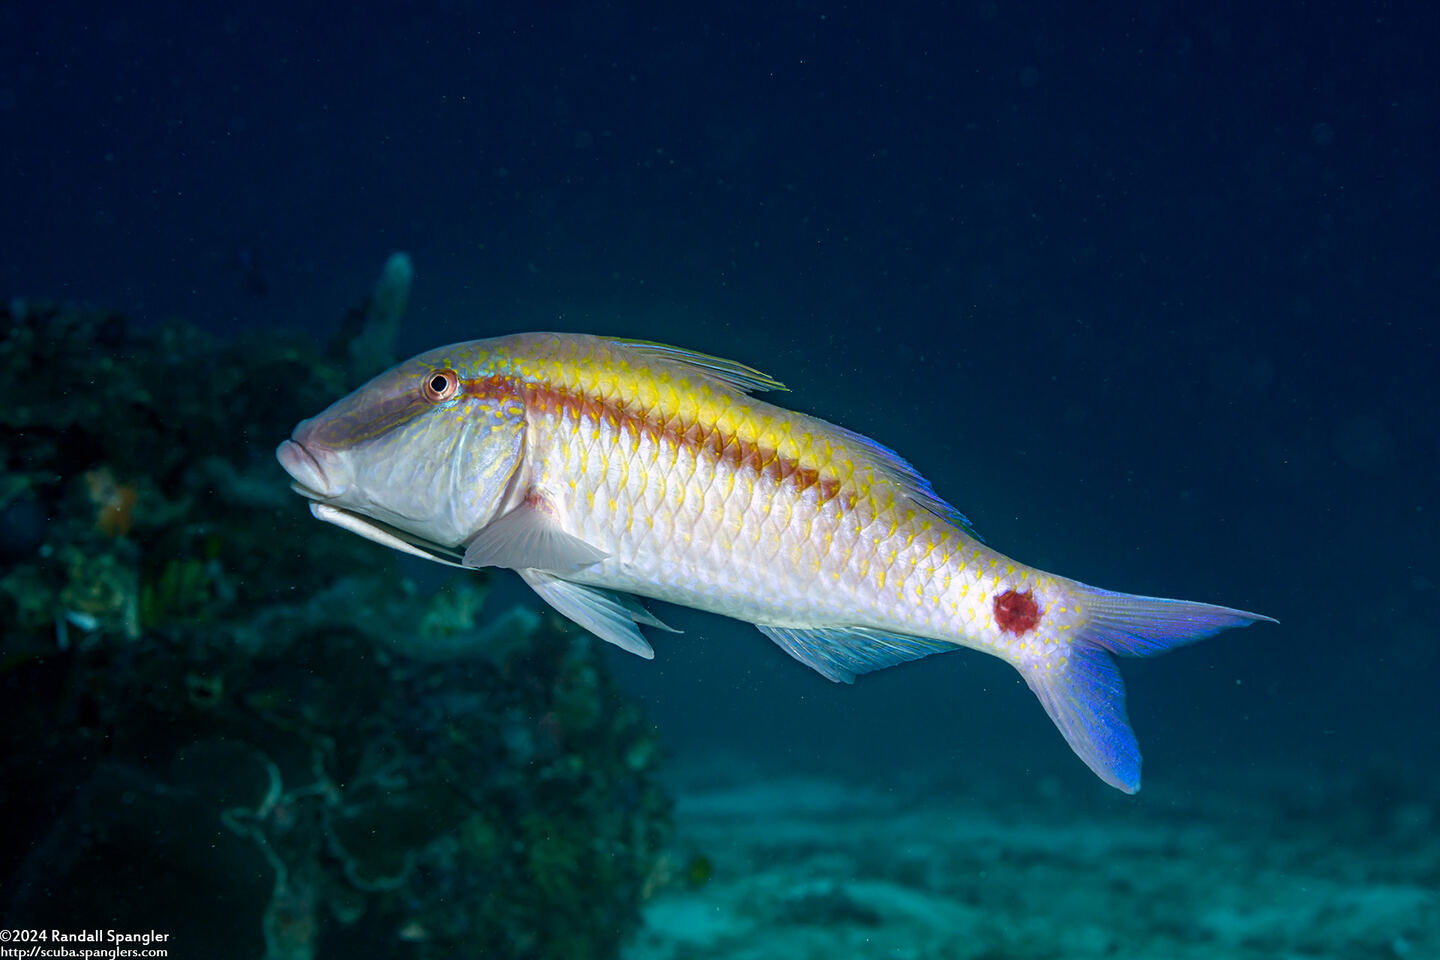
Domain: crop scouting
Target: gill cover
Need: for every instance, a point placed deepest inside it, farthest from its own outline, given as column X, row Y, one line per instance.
column 486, row 459
column 426, row 450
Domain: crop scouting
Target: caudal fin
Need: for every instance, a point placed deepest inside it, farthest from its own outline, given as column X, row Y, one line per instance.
column 1083, row 691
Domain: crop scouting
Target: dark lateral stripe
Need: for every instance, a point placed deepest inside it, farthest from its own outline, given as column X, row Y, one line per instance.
column 692, row 435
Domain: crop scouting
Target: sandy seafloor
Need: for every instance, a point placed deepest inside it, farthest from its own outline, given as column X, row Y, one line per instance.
column 1275, row 866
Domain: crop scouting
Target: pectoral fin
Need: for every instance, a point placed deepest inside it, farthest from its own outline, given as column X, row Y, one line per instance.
column 530, row 537
column 610, row 616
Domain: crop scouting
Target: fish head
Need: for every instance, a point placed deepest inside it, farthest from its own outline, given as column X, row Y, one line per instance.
column 430, row 448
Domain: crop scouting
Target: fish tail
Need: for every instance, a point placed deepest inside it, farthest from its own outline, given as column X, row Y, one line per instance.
column 1081, row 688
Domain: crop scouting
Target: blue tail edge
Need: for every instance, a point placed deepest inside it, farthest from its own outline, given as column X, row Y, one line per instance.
column 1083, row 692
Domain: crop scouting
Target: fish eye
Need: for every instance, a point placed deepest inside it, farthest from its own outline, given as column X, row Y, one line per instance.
column 442, row 385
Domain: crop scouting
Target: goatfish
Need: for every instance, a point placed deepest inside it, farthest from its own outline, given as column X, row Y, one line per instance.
column 602, row 469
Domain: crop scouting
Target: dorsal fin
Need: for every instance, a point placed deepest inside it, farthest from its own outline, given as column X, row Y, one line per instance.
column 907, row 479
column 888, row 465
column 729, row 373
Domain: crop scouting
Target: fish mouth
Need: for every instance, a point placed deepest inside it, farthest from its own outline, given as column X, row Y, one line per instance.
column 304, row 468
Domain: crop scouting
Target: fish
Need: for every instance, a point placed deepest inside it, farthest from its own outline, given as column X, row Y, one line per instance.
column 602, row 470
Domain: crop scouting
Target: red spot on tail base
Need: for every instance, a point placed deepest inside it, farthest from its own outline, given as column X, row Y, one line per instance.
column 1016, row 612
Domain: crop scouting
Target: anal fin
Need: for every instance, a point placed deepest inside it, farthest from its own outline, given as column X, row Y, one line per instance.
column 840, row 653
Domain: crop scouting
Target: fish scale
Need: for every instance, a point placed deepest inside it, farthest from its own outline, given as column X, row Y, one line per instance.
column 685, row 542
column 601, row 469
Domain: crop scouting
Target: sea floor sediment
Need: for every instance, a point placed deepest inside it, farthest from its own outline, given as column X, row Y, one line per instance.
column 1271, row 866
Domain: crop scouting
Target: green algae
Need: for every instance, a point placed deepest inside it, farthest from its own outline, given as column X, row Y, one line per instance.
column 197, row 672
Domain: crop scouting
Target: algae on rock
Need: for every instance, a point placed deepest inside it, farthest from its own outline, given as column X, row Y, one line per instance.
column 196, row 673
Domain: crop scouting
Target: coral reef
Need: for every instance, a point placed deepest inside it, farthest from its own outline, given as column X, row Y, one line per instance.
column 226, row 721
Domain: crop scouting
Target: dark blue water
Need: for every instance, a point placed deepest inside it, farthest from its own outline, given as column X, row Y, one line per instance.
column 1149, row 293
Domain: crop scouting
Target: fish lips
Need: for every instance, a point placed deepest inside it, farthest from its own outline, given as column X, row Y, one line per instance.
column 305, row 468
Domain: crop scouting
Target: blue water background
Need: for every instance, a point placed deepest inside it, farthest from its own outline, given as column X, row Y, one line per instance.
column 1149, row 291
